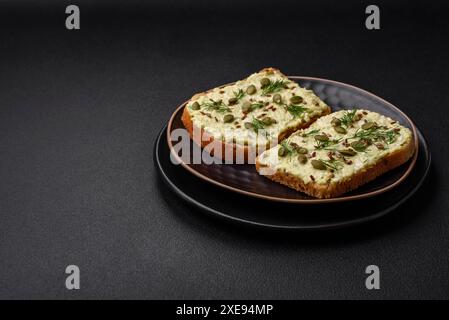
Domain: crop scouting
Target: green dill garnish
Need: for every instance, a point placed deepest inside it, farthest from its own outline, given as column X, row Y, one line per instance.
column 257, row 124
column 218, row 106
column 239, row 94
column 296, row 111
column 312, row 132
column 289, row 150
column 326, row 144
column 376, row 133
column 333, row 164
column 348, row 118
column 256, row 105
column 273, row 87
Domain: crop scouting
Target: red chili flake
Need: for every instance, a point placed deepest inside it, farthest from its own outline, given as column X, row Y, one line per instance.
column 313, row 154
column 312, row 177
column 348, row 161
column 221, row 91
column 274, row 109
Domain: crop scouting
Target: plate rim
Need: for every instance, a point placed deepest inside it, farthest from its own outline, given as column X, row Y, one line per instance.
column 304, row 201
column 283, row 227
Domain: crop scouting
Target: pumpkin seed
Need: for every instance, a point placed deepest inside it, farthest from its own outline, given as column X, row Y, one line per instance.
column 302, row 150
column 228, row 118
column 302, row 158
column 340, row 129
column 368, row 125
column 251, row 89
column 318, row 164
column 248, row 125
column 232, row 101
column 336, row 122
column 321, row 137
column 358, row 145
column 296, row 99
column 246, row 107
column 265, row 82
column 268, row 121
column 195, row 106
column 277, row 98
column 281, row 151
column 367, row 141
column 348, row 152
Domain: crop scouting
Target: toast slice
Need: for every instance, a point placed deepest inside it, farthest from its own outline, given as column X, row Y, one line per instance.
column 338, row 153
column 251, row 114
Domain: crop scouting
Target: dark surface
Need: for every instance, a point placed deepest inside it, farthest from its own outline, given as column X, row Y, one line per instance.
column 244, row 178
column 282, row 216
column 80, row 111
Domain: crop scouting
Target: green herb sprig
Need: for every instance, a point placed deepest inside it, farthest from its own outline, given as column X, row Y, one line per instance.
column 333, row 164
column 289, row 150
column 376, row 133
column 326, row 144
column 256, row 105
column 348, row 118
column 257, row 124
column 239, row 94
column 274, row 86
column 296, row 110
column 310, row 133
column 218, row 106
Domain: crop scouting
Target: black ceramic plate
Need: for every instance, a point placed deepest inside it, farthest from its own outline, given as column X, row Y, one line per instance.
column 236, row 207
column 244, row 179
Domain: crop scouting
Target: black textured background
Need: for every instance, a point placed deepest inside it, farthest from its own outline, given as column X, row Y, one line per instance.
column 79, row 112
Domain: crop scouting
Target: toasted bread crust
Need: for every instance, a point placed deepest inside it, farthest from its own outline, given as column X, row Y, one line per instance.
column 332, row 190
column 206, row 140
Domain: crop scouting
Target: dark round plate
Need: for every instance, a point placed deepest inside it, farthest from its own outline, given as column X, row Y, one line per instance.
column 244, row 179
column 236, row 207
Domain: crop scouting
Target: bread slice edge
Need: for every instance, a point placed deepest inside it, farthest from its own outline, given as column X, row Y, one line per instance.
column 335, row 189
